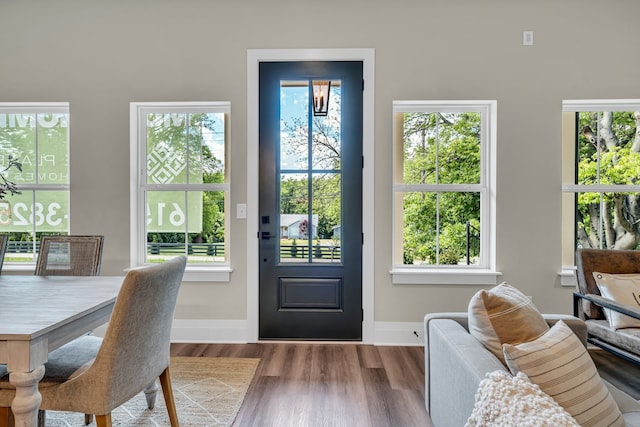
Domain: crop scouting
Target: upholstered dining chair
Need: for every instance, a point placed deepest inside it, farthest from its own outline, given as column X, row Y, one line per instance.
column 4, row 239
column 91, row 375
column 72, row 255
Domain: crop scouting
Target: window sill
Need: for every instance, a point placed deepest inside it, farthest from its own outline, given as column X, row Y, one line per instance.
column 198, row 273
column 19, row 268
column 423, row 276
column 207, row 274
column 568, row 276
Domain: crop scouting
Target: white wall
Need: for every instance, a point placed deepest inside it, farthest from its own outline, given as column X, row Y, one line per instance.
column 99, row 55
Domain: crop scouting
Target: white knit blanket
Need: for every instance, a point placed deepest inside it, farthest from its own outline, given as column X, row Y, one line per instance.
column 504, row 400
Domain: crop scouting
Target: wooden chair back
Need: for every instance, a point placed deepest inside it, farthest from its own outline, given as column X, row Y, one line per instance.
column 69, row 255
column 4, row 239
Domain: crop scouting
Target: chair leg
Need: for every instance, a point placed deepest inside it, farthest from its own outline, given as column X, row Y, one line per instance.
column 150, row 393
column 42, row 415
column 87, row 419
column 4, row 417
column 167, row 392
column 103, row 420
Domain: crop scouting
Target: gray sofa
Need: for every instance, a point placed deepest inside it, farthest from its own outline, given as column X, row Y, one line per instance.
column 455, row 363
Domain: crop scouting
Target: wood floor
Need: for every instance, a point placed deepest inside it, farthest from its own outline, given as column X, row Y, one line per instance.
column 350, row 385
column 317, row 384
column 621, row 373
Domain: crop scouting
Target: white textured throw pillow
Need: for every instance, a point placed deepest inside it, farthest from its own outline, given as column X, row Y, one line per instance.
column 503, row 314
column 624, row 289
column 560, row 365
column 503, row 400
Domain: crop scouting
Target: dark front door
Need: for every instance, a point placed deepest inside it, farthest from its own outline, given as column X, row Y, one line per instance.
column 311, row 200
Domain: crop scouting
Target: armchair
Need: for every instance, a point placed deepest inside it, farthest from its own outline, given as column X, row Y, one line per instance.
column 588, row 303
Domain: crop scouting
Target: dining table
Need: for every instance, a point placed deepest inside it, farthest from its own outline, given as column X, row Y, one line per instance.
column 39, row 314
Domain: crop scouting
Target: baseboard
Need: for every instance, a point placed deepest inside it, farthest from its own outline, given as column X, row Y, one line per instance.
column 398, row 333
column 236, row 331
column 209, row 331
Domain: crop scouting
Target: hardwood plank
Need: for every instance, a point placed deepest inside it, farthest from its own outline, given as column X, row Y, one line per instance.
column 404, row 365
column 369, row 356
column 381, row 405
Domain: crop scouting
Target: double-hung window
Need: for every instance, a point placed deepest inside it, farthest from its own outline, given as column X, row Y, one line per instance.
column 180, row 186
column 34, row 155
column 601, row 177
column 444, row 192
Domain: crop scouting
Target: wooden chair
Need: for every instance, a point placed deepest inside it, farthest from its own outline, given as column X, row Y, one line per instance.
column 69, row 256
column 94, row 376
column 4, row 239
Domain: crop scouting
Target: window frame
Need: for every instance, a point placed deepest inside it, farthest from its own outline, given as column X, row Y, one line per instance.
column 41, row 108
column 485, row 273
column 569, row 174
column 218, row 272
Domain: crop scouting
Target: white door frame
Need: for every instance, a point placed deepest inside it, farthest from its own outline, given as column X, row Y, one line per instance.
column 254, row 57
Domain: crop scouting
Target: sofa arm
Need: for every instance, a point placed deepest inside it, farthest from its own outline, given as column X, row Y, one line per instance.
column 455, row 363
column 577, row 325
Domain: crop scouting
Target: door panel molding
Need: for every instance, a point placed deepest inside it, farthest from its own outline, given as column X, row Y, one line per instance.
column 254, row 57
column 294, row 293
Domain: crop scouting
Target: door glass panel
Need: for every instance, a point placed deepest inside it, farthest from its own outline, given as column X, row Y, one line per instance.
column 327, row 215
column 310, row 150
column 326, row 141
column 294, row 125
column 293, row 232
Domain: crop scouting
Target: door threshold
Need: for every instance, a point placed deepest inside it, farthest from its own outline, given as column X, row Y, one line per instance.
column 298, row 341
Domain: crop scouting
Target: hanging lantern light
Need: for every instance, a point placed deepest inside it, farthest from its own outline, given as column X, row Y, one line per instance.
column 321, row 90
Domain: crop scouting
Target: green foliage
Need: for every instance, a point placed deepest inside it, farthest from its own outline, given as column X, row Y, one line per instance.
column 606, row 156
column 440, row 149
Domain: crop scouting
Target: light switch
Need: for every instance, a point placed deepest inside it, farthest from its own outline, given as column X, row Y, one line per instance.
column 241, row 211
column 527, row 38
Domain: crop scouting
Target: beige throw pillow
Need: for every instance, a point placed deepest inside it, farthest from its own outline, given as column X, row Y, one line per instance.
column 503, row 314
column 624, row 289
column 560, row 365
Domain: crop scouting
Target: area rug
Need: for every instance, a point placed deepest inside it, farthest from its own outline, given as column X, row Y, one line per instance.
column 208, row 393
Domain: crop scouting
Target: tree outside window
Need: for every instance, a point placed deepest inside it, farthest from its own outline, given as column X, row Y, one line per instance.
column 442, row 184
column 601, row 185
